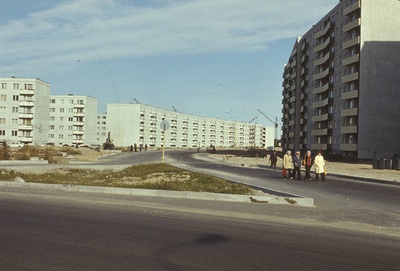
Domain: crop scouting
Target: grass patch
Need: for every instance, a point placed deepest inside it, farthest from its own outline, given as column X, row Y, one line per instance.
column 147, row 176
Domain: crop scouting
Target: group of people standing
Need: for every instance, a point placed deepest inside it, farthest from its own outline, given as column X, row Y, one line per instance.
column 291, row 165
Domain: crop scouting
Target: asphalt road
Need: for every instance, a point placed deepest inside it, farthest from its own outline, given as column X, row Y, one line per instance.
column 54, row 230
column 354, row 226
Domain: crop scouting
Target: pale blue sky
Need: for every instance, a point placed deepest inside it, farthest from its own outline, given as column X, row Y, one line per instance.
column 221, row 59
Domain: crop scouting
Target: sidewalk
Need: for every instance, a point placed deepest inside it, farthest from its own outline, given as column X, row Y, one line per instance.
column 361, row 171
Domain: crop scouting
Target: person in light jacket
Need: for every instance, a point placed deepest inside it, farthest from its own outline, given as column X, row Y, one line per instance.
column 319, row 167
column 287, row 164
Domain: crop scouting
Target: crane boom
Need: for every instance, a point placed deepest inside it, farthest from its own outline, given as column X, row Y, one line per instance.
column 274, row 122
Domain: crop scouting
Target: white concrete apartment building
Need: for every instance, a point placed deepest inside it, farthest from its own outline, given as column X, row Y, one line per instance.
column 24, row 106
column 101, row 128
column 341, row 84
column 139, row 124
column 72, row 120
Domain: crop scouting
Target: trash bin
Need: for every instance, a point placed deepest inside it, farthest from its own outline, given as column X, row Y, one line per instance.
column 396, row 164
column 388, row 164
column 381, row 163
column 375, row 164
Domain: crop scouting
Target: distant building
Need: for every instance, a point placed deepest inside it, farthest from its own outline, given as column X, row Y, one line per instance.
column 341, row 85
column 101, row 128
column 140, row 124
column 24, row 110
column 72, row 120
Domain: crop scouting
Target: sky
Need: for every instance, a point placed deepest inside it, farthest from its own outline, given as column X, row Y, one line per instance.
column 220, row 59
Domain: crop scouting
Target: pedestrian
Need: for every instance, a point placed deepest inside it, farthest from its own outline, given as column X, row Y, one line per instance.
column 145, row 147
column 287, row 164
column 319, row 167
column 307, row 162
column 131, row 149
column 297, row 166
column 135, row 147
column 273, row 158
column 140, row 147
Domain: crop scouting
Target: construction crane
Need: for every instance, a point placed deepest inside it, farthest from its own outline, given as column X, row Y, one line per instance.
column 174, row 108
column 274, row 122
column 252, row 119
column 136, row 101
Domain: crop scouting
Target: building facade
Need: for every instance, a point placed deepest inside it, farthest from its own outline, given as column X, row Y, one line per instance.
column 341, row 84
column 24, row 106
column 139, row 124
column 72, row 120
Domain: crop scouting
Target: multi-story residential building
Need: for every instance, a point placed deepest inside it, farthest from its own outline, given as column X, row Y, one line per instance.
column 24, row 106
column 72, row 120
column 101, row 128
column 341, row 85
column 139, row 124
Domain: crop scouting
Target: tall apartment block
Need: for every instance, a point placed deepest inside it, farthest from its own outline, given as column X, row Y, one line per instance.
column 72, row 120
column 139, row 124
column 341, row 84
column 24, row 106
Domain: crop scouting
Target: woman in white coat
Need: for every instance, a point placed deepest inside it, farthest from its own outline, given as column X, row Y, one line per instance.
column 319, row 167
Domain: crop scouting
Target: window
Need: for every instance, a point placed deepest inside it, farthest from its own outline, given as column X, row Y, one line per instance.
column 51, row 127
column 2, row 121
column 15, row 97
column 51, row 135
column 15, row 86
column 52, row 101
column 61, row 127
column 3, row 85
column 14, row 121
column 70, row 119
column 61, row 110
column 52, row 109
column 2, row 109
column 3, row 97
column 60, row 136
column 28, row 86
column 14, row 133
column 15, row 109
column 52, row 118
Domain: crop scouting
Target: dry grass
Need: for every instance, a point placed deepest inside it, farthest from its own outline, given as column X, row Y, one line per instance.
column 147, row 176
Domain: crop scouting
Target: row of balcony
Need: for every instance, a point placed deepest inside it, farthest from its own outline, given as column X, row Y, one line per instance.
column 322, row 103
column 343, row 147
column 323, row 31
column 322, row 46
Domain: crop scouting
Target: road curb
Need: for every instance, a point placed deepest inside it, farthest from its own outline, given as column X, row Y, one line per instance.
column 267, row 199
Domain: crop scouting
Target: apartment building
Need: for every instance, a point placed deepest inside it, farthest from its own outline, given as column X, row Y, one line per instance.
column 101, row 128
column 139, row 124
column 72, row 120
column 24, row 105
column 341, row 84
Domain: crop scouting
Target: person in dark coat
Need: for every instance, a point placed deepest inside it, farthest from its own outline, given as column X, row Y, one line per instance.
column 273, row 158
column 297, row 166
column 307, row 162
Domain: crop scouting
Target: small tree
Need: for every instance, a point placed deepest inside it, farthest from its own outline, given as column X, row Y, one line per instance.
column 5, row 154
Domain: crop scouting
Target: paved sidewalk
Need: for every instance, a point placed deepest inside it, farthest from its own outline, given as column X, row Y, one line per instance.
column 361, row 171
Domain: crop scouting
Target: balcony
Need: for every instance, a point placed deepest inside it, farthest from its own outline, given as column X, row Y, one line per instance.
column 79, row 106
column 323, row 31
column 351, row 25
column 350, row 95
column 322, row 103
column 350, row 77
column 351, row 42
column 351, row 8
column 321, row 75
column 293, row 64
column 322, row 60
column 79, row 114
column 303, row 109
column 322, row 89
column 26, row 139
column 77, row 141
column 321, row 132
column 303, row 96
column 78, row 132
column 292, row 99
column 78, row 123
column 322, row 117
column 23, row 127
column 322, row 46
column 26, row 103
column 25, row 115
column 348, row 147
column 322, row 147
column 350, row 60
column 294, row 75
column 291, row 123
column 27, row 92
column 349, row 112
column 349, row 129
column 292, row 87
